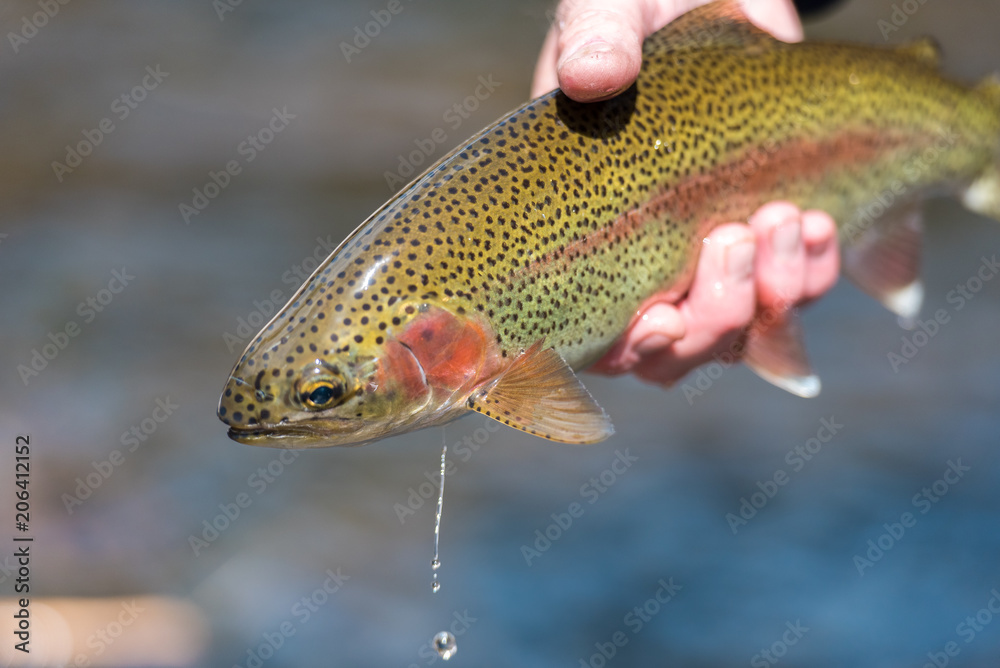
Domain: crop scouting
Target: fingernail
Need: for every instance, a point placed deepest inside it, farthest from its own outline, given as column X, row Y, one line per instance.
column 739, row 260
column 818, row 249
column 786, row 238
column 586, row 51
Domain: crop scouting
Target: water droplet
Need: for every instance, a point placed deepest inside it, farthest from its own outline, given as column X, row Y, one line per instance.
column 445, row 645
column 435, row 562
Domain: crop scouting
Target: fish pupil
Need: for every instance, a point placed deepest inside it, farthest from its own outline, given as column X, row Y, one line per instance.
column 322, row 395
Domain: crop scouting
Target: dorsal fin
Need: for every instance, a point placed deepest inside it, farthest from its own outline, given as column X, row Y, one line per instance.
column 719, row 23
column 924, row 49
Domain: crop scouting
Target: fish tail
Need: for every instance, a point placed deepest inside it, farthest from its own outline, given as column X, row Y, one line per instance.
column 983, row 196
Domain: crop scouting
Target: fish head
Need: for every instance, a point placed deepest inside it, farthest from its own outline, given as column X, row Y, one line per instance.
column 326, row 373
column 315, row 378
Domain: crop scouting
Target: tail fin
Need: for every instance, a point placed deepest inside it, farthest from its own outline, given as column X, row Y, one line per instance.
column 983, row 196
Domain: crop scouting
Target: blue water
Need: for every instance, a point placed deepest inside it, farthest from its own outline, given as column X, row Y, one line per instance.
column 787, row 581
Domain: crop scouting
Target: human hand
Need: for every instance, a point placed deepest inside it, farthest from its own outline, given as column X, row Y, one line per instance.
column 782, row 259
column 594, row 48
column 785, row 257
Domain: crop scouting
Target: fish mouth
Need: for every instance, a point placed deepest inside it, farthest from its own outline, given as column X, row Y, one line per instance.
column 297, row 436
column 283, row 436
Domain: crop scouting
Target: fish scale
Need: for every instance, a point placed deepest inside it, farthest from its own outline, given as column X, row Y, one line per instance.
column 545, row 233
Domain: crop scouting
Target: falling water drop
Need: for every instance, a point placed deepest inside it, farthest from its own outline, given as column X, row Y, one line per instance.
column 436, row 562
column 444, row 642
column 445, row 645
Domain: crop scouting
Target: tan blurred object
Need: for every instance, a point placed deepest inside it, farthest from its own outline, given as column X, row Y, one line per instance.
column 122, row 631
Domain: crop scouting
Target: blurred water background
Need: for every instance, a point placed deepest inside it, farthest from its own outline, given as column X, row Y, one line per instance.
column 327, row 561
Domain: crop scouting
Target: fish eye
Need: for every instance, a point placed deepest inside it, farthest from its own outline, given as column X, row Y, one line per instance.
column 321, row 394
column 317, row 391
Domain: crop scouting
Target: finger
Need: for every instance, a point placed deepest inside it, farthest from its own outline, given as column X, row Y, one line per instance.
column 594, row 50
column 720, row 303
column 781, row 256
column 722, row 297
column 659, row 324
column 778, row 17
column 612, row 32
column 600, row 47
column 819, row 233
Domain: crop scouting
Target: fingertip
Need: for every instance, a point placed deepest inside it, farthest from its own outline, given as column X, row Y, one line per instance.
column 730, row 251
column 822, row 253
column 778, row 17
column 728, row 234
column 772, row 215
column 781, row 262
column 660, row 325
column 600, row 49
column 818, row 230
column 598, row 71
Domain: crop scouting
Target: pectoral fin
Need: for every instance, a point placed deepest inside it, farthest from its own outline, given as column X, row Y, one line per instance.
column 884, row 261
column 776, row 352
column 541, row 395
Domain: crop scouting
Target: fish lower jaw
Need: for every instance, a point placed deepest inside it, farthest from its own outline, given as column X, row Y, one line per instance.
column 281, row 438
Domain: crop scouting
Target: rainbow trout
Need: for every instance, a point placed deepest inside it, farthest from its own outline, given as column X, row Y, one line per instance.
column 525, row 253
